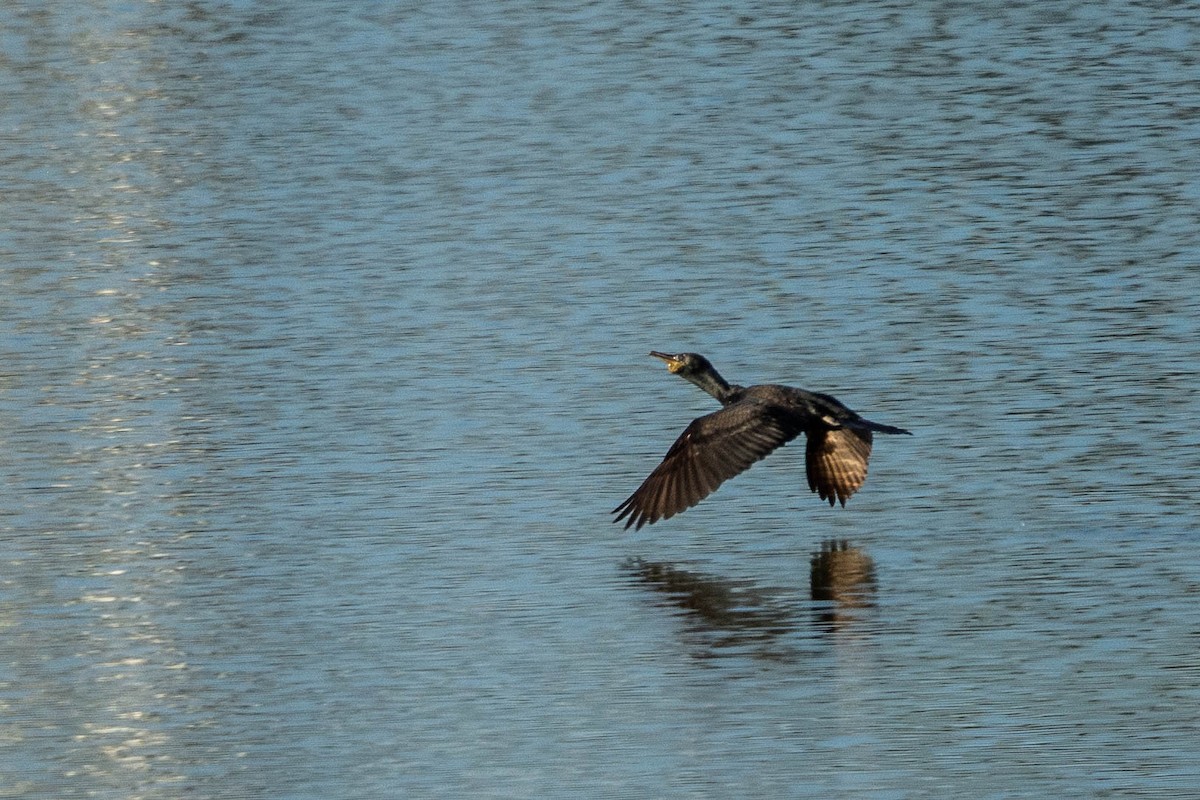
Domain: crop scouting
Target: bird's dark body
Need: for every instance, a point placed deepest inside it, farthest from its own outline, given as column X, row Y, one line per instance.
column 754, row 421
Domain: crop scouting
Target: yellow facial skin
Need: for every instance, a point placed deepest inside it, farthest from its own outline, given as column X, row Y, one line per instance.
column 673, row 364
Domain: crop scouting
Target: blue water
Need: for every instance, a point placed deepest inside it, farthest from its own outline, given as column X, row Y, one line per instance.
column 325, row 334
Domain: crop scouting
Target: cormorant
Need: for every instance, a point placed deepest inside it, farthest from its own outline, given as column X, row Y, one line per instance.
column 755, row 421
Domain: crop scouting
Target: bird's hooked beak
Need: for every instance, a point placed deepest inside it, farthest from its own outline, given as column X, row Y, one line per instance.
column 673, row 363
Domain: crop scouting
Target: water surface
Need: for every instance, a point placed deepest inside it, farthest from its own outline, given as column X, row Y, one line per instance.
column 325, row 336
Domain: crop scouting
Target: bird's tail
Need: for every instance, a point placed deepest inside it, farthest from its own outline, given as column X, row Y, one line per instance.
column 880, row 428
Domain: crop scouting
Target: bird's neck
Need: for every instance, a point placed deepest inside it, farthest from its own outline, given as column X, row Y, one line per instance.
column 712, row 382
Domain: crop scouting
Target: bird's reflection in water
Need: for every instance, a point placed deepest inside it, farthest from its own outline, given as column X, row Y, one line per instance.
column 732, row 617
column 843, row 583
column 728, row 617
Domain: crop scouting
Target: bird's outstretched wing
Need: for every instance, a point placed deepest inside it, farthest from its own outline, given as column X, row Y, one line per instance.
column 713, row 449
column 836, row 461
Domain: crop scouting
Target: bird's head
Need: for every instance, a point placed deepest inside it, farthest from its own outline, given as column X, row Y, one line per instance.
column 694, row 368
column 684, row 364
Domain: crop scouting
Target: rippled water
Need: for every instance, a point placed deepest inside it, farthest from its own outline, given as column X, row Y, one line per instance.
column 325, row 335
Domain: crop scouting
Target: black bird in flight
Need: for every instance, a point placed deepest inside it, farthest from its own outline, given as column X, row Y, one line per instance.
column 755, row 421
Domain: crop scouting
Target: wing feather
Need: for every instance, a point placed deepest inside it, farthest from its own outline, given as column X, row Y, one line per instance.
column 836, row 461
column 712, row 449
